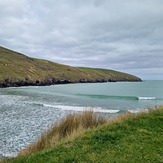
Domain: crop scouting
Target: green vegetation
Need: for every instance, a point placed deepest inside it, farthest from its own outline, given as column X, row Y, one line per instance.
column 22, row 70
column 131, row 138
column 68, row 128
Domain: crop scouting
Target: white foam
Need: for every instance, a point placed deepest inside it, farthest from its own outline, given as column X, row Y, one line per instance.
column 9, row 155
column 147, row 98
column 81, row 108
column 26, row 87
column 138, row 111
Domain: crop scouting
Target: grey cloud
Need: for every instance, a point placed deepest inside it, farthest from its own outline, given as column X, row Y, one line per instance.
column 122, row 35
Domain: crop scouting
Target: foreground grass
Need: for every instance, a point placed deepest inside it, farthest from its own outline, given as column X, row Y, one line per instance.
column 68, row 128
column 129, row 138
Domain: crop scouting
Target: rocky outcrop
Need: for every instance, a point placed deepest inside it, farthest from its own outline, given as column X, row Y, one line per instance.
column 18, row 83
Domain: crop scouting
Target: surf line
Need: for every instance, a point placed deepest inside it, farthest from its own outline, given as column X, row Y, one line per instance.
column 146, row 98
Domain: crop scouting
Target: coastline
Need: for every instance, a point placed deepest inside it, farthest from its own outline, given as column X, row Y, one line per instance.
column 19, row 96
column 19, row 83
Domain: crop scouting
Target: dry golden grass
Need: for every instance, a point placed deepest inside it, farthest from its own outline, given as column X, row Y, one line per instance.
column 131, row 137
column 72, row 126
column 67, row 129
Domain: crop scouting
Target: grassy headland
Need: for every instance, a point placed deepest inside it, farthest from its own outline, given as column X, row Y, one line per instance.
column 18, row 70
column 128, row 138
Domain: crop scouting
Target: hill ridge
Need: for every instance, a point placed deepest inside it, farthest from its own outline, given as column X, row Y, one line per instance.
column 17, row 69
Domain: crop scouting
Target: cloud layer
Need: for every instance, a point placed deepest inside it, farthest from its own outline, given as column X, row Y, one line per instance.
column 116, row 34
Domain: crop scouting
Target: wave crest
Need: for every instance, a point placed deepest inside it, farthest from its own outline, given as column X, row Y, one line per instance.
column 82, row 108
column 146, row 98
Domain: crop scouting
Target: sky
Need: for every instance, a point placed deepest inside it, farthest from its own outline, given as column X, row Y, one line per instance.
column 124, row 35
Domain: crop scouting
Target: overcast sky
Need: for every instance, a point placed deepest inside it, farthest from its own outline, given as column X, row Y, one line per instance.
column 124, row 35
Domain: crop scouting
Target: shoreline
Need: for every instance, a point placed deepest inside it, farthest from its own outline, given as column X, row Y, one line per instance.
column 19, row 83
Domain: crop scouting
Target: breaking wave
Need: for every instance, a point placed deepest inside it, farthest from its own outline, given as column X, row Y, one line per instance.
column 147, row 98
column 109, row 97
column 138, row 110
column 79, row 108
column 118, row 97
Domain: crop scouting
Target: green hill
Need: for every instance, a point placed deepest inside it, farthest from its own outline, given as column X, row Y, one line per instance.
column 17, row 70
column 135, row 138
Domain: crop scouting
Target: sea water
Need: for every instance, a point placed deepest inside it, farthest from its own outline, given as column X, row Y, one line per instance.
column 26, row 112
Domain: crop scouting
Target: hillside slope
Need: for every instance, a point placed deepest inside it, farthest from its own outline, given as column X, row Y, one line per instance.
column 18, row 70
column 135, row 138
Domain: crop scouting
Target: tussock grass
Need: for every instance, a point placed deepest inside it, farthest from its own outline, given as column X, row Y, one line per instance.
column 127, row 138
column 68, row 128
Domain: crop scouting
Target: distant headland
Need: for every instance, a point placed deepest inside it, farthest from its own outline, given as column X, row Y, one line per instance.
column 17, row 69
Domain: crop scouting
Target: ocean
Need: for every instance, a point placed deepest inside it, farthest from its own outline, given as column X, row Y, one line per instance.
column 26, row 112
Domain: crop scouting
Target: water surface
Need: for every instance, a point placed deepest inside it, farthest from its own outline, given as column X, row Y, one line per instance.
column 27, row 111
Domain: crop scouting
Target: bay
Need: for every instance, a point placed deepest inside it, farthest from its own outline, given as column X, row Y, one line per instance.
column 26, row 112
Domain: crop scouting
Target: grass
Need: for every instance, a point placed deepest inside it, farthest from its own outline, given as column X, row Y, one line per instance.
column 130, row 138
column 16, row 67
column 68, row 128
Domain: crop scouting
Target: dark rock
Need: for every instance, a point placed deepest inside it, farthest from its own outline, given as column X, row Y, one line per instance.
column 111, row 80
column 51, row 81
column 82, row 81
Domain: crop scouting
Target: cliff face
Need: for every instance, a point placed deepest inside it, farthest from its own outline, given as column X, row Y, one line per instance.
column 19, row 70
